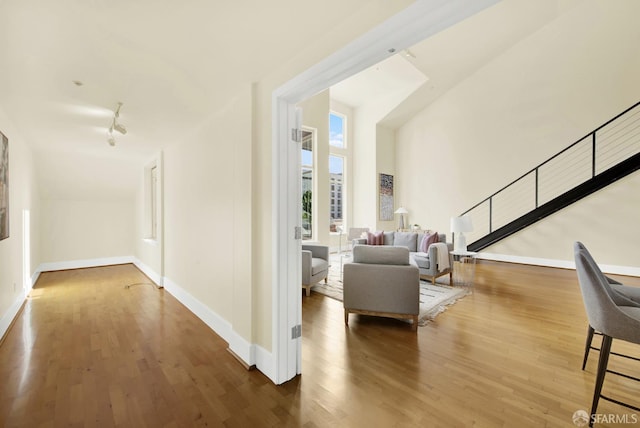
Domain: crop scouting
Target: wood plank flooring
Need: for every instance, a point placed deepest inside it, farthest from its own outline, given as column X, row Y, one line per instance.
column 88, row 352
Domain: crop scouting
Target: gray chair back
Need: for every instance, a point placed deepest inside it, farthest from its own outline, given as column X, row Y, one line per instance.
column 603, row 313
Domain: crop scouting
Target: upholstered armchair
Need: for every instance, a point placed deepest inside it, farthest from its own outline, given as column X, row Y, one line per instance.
column 315, row 265
column 382, row 282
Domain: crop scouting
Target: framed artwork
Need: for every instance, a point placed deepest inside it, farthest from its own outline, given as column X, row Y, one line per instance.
column 385, row 197
column 4, row 187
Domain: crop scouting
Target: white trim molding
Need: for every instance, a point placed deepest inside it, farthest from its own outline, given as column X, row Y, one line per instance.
column 563, row 264
column 150, row 273
column 79, row 264
column 250, row 354
column 10, row 315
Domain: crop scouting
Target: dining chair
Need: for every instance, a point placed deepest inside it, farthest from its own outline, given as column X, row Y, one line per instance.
column 621, row 294
column 613, row 321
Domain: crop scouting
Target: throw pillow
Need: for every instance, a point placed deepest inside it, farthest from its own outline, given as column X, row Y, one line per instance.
column 406, row 239
column 427, row 239
column 375, row 238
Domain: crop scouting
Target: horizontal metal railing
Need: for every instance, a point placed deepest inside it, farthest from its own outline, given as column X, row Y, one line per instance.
column 601, row 150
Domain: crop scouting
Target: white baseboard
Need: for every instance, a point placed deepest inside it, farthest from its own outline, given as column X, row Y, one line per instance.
column 153, row 276
column 10, row 314
column 250, row 354
column 564, row 264
column 79, row 264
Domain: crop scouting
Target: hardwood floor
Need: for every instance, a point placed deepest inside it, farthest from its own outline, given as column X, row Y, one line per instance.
column 86, row 351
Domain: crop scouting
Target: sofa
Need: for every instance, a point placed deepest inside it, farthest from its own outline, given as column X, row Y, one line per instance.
column 315, row 265
column 381, row 281
column 430, row 265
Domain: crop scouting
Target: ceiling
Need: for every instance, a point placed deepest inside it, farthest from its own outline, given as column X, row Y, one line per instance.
column 173, row 64
column 449, row 57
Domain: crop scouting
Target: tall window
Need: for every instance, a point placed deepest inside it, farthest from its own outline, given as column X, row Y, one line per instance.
column 336, row 130
column 337, row 161
column 154, row 202
column 336, row 177
column 307, row 184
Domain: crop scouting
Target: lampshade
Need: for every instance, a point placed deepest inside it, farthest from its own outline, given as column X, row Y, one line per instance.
column 461, row 224
column 401, row 210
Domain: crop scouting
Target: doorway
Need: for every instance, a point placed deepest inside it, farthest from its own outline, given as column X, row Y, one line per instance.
column 418, row 21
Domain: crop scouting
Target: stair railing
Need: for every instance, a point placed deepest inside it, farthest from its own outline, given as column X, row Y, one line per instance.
column 608, row 145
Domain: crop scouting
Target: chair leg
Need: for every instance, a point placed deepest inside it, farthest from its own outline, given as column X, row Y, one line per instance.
column 602, row 370
column 346, row 317
column 326, row 278
column 451, row 278
column 587, row 346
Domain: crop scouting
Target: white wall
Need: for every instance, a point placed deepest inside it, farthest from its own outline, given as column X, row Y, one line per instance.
column 524, row 106
column 23, row 195
column 207, row 217
column 86, row 229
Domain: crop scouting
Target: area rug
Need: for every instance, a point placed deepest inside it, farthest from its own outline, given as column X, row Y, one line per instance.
column 434, row 299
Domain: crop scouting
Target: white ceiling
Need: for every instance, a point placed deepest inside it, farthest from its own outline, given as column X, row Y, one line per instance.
column 173, row 64
column 450, row 56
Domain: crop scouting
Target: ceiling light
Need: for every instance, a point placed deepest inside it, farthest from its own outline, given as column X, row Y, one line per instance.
column 408, row 53
column 115, row 126
column 120, row 128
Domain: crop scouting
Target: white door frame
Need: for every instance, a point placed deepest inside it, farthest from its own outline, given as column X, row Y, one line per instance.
column 417, row 22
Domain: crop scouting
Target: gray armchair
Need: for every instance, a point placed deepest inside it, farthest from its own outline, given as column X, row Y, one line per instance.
column 381, row 282
column 315, row 265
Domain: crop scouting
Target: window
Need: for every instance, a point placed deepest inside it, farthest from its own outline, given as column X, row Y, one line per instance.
column 307, row 184
column 336, row 177
column 154, row 202
column 336, row 130
column 152, row 221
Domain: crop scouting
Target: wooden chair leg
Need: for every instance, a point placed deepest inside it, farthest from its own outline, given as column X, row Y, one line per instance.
column 602, row 370
column 587, row 346
column 451, row 278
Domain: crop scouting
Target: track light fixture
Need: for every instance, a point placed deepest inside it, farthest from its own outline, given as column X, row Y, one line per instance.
column 115, row 126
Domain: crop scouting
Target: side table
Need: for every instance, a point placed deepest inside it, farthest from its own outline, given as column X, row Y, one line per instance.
column 464, row 267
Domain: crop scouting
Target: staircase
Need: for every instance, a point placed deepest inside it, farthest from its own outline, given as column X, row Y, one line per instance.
column 605, row 155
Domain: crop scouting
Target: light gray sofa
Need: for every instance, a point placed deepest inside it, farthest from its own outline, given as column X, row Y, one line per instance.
column 315, row 265
column 381, row 281
column 426, row 262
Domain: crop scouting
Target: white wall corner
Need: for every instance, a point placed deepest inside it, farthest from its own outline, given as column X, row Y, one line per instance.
column 153, row 276
column 563, row 264
column 8, row 317
column 34, row 279
column 242, row 349
column 265, row 363
column 250, row 354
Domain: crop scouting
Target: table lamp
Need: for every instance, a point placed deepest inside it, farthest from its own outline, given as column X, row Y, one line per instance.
column 460, row 225
column 402, row 211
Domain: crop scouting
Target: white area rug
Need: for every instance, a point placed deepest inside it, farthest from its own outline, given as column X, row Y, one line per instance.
column 434, row 299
